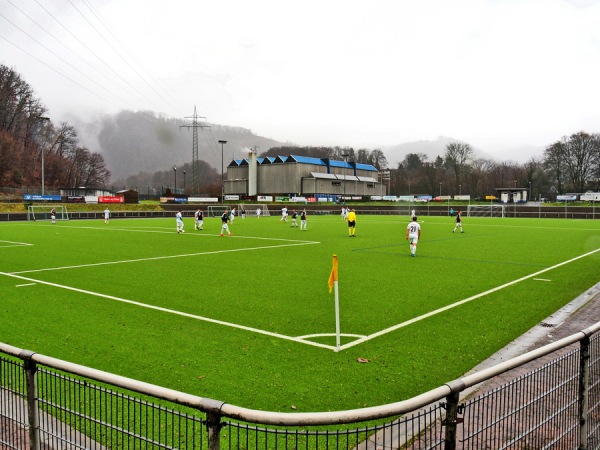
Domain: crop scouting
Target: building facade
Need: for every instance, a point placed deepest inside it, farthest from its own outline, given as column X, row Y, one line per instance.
column 301, row 175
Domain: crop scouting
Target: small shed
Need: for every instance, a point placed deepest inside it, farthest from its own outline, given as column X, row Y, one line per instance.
column 129, row 196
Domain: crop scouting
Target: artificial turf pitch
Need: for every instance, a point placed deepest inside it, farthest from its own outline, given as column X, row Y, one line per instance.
column 249, row 319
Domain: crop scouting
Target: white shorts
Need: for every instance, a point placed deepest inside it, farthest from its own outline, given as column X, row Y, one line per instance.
column 413, row 239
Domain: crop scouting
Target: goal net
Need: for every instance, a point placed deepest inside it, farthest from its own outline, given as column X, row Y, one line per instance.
column 39, row 212
column 216, row 211
column 251, row 209
column 486, row 211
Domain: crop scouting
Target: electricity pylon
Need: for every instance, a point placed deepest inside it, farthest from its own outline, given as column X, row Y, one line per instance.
column 196, row 123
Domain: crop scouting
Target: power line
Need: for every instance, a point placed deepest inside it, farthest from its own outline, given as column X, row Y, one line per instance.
column 55, row 70
column 59, row 57
column 130, row 55
column 76, row 54
column 93, row 53
column 118, row 53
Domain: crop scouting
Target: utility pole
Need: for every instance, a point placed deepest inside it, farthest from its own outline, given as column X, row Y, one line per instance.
column 196, row 123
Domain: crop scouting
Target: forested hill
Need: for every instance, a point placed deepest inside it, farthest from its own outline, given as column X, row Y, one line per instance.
column 134, row 142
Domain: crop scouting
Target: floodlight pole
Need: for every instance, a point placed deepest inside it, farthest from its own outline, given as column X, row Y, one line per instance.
column 43, row 119
column 184, row 182
column 345, row 156
column 175, row 187
column 222, row 179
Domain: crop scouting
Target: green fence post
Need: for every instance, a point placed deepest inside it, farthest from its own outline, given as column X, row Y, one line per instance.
column 584, row 384
column 31, row 386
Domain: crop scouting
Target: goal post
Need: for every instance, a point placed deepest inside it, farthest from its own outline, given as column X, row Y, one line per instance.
column 486, row 211
column 39, row 212
column 251, row 209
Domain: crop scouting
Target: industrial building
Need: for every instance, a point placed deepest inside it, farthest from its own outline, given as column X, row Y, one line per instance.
column 301, row 175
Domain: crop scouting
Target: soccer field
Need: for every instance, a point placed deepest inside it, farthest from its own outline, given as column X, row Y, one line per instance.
column 249, row 319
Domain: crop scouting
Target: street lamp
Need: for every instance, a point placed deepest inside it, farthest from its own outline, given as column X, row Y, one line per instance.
column 440, row 189
column 459, row 190
column 222, row 179
column 184, row 181
column 43, row 119
column 175, row 188
column 345, row 156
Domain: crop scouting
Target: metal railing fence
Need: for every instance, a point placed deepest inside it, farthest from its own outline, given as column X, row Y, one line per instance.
column 50, row 403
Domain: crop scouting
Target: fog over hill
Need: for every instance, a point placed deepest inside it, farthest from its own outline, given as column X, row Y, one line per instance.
column 134, row 142
column 434, row 148
column 143, row 141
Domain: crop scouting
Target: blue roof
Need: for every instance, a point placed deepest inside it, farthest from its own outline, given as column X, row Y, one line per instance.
column 366, row 167
column 343, row 164
column 307, row 160
column 304, row 160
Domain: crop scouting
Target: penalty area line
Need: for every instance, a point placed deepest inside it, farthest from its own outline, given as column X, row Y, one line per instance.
column 156, row 258
column 299, row 340
column 462, row 302
column 162, row 230
column 13, row 244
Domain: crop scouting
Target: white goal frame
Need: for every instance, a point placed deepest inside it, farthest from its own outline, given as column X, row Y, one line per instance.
column 486, row 211
column 42, row 212
column 251, row 209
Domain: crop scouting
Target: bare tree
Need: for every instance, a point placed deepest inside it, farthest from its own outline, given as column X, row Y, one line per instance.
column 456, row 157
column 580, row 152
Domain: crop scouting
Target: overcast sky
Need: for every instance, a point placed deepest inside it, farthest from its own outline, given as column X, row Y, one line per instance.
column 500, row 75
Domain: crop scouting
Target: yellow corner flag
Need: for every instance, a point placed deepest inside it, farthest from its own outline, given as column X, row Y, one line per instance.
column 333, row 276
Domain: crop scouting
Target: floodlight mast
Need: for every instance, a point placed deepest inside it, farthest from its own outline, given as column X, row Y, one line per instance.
column 345, row 156
column 175, row 187
column 43, row 119
column 222, row 142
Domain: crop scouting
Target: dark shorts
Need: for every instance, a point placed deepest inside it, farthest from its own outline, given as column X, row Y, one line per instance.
column 351, row 223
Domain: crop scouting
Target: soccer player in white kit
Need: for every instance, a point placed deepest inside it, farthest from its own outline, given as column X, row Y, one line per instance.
column 179, row 221
column 258, row 211
column 413, row 233
column 106, row 215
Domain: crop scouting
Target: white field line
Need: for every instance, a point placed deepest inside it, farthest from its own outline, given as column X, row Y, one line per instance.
column 172, row 311
column 13, row 244
column 154, row 258
column 189, row 233
column 461, row 302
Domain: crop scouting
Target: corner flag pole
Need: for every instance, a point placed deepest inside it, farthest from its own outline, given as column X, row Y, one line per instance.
column 333, row 283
